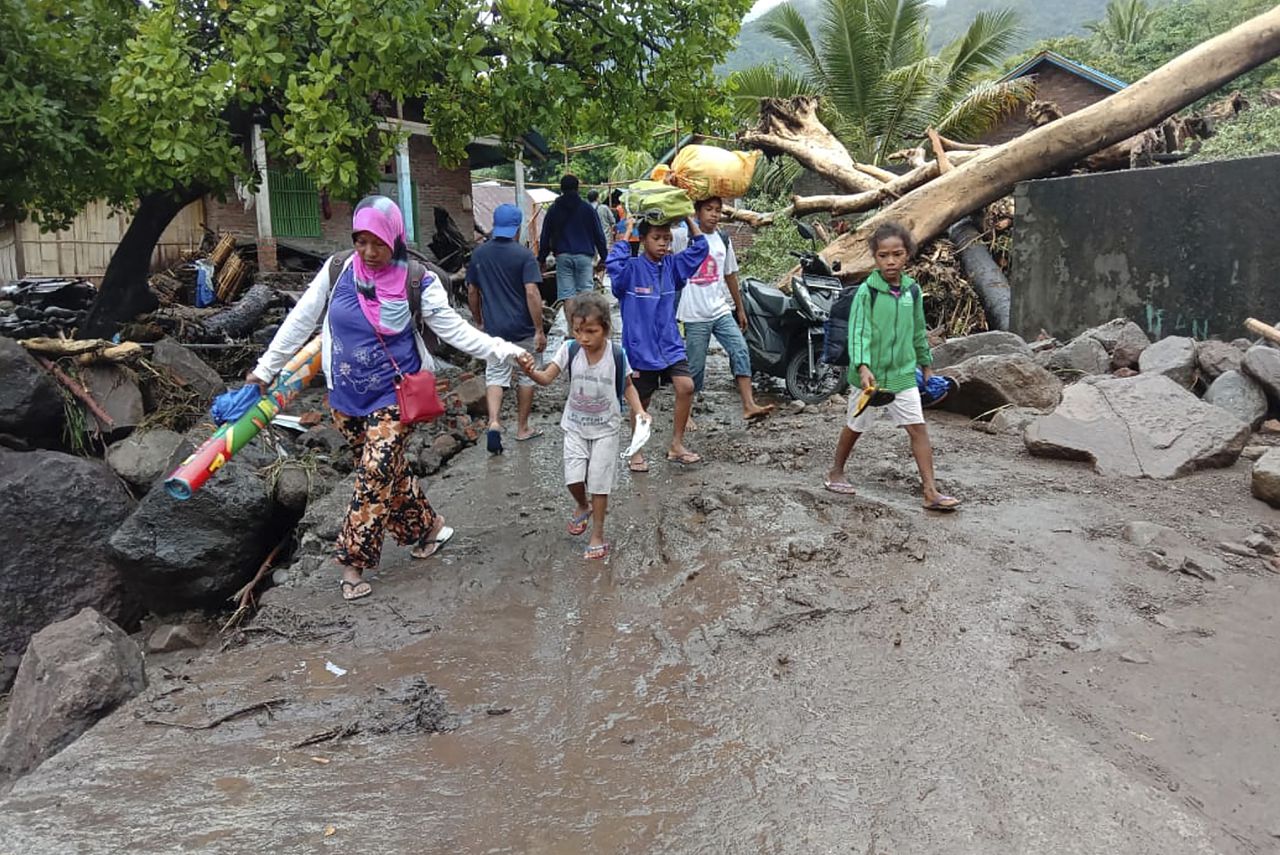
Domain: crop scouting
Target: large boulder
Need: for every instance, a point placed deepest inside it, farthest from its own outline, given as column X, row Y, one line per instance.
column 30, row 402
column 993, row 343
column 187, row 369
column 73, row 673
column 990, row 382
column 186, row 554
column 1262, row 363
column 1123, row 340
column 1216, row 358
column 1082, row 357
column 144, row 457
column 1143, row 427
column 58, row 511
column 1174, row 357
column 117, row 395
column 1266, row 478
column 1239, row 395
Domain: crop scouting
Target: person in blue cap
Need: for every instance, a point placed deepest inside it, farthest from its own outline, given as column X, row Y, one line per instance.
column 502, row 289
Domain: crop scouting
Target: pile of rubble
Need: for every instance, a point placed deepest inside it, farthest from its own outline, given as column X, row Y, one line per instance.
column 1131, row 407
column 44, row 306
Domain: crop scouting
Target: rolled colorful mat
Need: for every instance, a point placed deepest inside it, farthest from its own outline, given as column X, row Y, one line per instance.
column 230, row 437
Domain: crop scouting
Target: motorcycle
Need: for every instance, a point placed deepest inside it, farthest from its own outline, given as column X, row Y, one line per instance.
column 785, row 331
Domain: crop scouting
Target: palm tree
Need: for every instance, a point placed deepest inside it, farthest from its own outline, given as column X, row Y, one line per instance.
column 1127, row 23
column 880, row 87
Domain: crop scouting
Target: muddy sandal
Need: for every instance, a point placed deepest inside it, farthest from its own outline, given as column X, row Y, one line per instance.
column 429, row 548
column 355, row 590
column 638, row 467
column 943, row 504
column 843, row 488
column 578, row 523
column 596, row 553
column 686, row 459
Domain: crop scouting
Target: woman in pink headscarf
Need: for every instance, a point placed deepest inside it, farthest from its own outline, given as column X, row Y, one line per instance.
column 367, row 331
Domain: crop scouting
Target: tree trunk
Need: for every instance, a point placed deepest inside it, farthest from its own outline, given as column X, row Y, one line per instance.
column 240, row 319
column 791, row 126
column 124, row 293
column 983, row 273
column 992, row 173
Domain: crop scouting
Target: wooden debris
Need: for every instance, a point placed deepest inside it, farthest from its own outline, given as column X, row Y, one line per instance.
column 222, row 719
column 77, row 389
column 1267, row 331
column 231, row 279
column 222, row 251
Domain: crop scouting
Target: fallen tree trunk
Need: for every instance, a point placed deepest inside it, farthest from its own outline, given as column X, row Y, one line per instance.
column 992, row 173
column 982, row 272
column 791, row 127
column 239, row 320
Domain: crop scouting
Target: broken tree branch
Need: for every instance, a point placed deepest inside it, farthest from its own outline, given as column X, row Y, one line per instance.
column 1267, row 331
column 104, row 419
column 790, row 126
column 939, row 153
column 222, row 719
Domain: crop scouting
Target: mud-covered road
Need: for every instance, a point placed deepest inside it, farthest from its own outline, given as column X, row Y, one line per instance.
column 761, row 667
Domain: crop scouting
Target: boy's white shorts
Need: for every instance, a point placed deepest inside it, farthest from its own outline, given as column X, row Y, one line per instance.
column 593, row 461
column 905, row 409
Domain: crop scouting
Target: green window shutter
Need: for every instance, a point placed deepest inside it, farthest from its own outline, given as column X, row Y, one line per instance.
column 295, row 204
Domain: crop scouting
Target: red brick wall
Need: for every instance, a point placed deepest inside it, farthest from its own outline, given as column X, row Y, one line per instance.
column 437, row 186
column 1068, row 91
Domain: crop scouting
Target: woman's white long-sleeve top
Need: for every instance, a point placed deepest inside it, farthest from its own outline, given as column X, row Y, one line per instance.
column 300, row 325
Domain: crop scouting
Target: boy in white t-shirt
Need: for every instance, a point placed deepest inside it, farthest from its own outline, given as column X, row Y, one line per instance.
column 599, row 377
column 706, row 308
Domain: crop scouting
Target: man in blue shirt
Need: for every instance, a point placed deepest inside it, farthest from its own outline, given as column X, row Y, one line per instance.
column 572, row 231
column 502, row 290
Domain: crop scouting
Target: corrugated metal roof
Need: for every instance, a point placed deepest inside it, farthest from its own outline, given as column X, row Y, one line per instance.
column 1106, row 81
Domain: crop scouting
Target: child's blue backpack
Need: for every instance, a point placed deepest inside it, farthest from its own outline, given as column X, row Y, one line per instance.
column 835, row 331
column 619, row 372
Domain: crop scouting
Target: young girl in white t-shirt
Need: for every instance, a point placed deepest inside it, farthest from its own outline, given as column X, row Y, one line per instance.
column 599, row 378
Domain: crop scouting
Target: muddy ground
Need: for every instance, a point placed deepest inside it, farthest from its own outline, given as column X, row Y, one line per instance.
column 761, row 667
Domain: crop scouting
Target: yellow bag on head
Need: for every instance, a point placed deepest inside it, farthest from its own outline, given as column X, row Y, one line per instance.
column 705, row 171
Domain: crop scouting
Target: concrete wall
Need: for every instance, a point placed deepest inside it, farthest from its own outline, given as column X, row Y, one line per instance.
column 1181, row 250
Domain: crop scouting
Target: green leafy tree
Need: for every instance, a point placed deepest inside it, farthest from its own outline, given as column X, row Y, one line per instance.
column 1126, row 23
column 180, row 84
column 880, row 86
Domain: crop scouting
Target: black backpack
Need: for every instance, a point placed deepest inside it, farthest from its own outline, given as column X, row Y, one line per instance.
column 619, row 375
column 835, row 332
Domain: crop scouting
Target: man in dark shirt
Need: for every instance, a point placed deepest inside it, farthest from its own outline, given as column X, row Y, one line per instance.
column 572, row 231
column 502, row 289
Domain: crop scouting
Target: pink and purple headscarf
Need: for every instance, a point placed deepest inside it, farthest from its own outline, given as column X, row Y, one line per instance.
column 383, row 293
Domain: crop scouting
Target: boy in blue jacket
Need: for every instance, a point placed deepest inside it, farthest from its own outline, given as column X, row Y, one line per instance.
column 647, row 288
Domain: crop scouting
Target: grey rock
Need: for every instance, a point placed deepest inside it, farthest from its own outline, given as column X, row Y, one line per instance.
column 1242, row 344
column 1239, row 395
column 1216, row 358
column 1260, row 544
column 1008, row 421
column 297, row 485
column 1240, row 550
column 142, row 458
column 1123, row 340
column 187, row 369
column 167, row 638
column 58, row 511
column 187, row 554
column 1263, row 364
column 421, row 454
column 320, row 525
column 1143, row 427
column 1253, row 452
column 1133, row 657
column 117, row 394
column 324, row 438
column 993, row 343
column 1083, row 356
column 446, row 445
column 1174, row 357
column 73, row 673
column 990, row 382
column 30, row 402
column 1265, row 480
column 1170, row 551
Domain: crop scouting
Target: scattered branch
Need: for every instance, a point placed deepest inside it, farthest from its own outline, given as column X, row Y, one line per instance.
column 80, row 392
column 222, row 719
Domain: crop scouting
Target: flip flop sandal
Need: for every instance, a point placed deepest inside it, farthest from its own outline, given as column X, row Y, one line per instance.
column 596, row 553
column 445, row 535
column 641, row 467
column 688, row 459
column 534, row 435
column 844, row 488
column 578, row 523
column 351, row 590
column 493, row 441
column 943, row 504
column 873, row 397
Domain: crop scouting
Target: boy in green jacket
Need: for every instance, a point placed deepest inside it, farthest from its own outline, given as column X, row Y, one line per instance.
column 887, row 340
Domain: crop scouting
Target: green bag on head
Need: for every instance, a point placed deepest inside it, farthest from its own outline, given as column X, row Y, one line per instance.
column 657, row 203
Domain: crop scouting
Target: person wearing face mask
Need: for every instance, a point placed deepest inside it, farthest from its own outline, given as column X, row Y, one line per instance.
column 371, row 332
